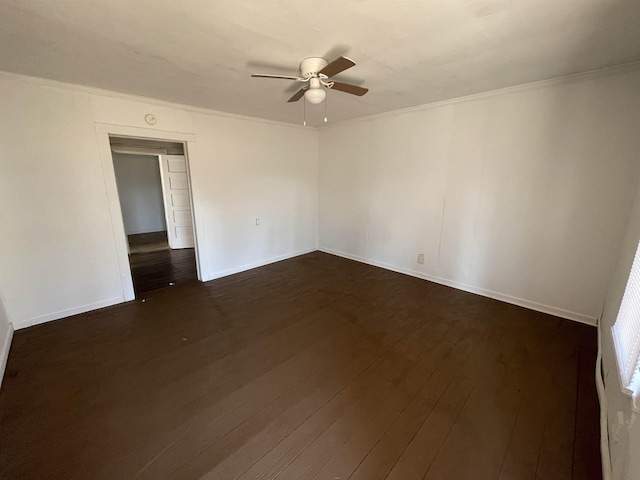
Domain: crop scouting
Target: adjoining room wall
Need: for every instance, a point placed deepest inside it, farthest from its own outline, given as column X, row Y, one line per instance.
column 520, row 195
column 57, row 251
column 140, row 192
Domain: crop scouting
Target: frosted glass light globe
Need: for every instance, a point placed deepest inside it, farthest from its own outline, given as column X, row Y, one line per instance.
column 315, row 95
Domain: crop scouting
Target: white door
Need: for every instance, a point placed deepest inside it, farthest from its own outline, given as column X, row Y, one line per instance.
column 177, row 201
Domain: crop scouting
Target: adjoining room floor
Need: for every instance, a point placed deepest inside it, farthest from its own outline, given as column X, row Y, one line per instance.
column 153, row 270
column 154, row 265
column 314, row 367
column 148, row 242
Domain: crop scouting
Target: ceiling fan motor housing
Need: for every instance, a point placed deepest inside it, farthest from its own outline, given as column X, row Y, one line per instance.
column 309, row 67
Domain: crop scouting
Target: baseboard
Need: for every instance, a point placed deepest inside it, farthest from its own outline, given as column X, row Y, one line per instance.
column 113, row 301
column 66, row 313
column 146, row 230
column 521, row 302
column 4, row 353
column 262, row 263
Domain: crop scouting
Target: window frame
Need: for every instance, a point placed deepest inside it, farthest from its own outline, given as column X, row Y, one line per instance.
column 625, row 333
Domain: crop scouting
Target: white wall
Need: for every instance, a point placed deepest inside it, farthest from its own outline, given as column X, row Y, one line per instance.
column 140, row 192
column 624, row 438
column 521, row 195
column 249, row 170
column 57, row 248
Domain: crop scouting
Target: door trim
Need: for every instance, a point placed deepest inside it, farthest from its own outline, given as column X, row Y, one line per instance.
column 103, row 131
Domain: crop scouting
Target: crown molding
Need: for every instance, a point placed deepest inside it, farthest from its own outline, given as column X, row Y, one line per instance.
column 76, row 87
column 575, row 77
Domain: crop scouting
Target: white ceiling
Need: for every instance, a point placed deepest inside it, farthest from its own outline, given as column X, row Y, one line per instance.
column 201, row 52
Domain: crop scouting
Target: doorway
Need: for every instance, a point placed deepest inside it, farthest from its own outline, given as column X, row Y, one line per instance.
column 155, row 201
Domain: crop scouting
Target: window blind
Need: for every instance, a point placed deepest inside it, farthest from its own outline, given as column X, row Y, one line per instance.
column 626, row 331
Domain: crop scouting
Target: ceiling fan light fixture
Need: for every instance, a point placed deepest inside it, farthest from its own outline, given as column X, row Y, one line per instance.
column 318, row 72
column 315, row 95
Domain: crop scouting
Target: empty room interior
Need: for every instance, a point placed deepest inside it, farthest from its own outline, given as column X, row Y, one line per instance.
column 343, row 240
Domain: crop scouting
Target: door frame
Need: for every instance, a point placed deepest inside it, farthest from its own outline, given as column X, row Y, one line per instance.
column 103, row 132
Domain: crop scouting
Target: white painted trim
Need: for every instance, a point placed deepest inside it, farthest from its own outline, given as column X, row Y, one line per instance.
column 592, row 74
column 142, row 133
column 114, row 301
column 76, row 87
column 207, row 111
column 115, row 213
column 261, row 263
column 103, row 131
column 605, row 453
column 4, row 353
column 521, row 302
column 48, row 317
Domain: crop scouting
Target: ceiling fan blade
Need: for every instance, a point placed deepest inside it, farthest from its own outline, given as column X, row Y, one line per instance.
column 292, row 87
column 339, row 50
column 265, row 75
column 348, row 88
column 340, row 64
column 298, row 95
column 284, row 68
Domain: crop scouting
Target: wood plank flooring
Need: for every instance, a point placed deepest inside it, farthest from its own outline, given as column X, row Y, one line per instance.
column 311, row 368
column 158, row 269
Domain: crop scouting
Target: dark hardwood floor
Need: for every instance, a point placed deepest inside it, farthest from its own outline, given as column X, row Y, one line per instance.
column 158, row 269
column 315, row 367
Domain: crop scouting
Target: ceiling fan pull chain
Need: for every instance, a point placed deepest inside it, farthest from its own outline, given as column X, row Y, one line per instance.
column 304, row 109
column 325, row 108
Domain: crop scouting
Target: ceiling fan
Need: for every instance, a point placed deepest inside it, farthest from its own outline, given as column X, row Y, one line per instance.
column 317, row 71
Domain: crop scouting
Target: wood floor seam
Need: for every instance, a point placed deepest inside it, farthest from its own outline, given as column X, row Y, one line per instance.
column 312, row 368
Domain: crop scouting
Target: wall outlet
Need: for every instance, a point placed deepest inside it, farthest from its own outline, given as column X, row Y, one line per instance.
column 421, row 258
column 257, row 221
